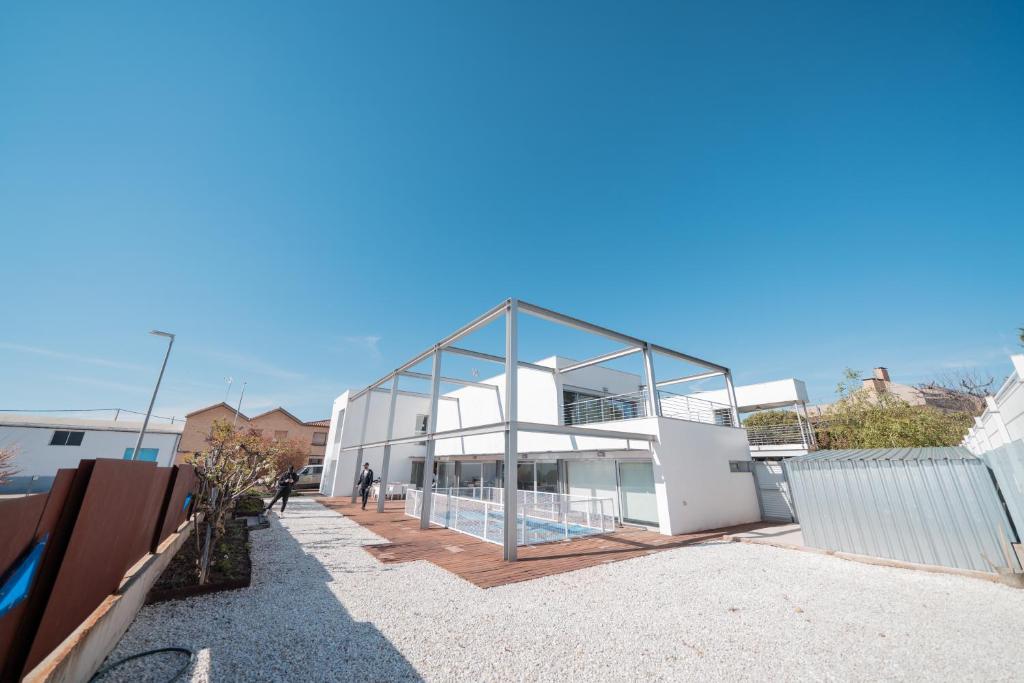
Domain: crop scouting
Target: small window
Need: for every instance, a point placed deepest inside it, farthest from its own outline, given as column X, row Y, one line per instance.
column 65, row 438
column 280, row 434
column 741, row 466
column 319, row 438
column 421, row 423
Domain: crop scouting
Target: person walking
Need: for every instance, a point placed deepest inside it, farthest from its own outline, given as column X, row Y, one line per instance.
column 365, row 482
column 284, row 488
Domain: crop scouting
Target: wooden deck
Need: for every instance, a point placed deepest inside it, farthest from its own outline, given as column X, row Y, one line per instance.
column 480, row 562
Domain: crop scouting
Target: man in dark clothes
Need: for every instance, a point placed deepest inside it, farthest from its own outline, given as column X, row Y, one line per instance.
column 365, row 482
column 284, row 488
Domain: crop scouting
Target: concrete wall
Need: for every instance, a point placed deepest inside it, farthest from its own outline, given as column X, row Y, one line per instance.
column 36, row 457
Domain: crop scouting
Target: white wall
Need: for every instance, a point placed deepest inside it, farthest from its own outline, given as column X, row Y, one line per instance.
column 1003, row 419
column 696, row 489
column 36, row 457
column 341, row 465
column 782, row 392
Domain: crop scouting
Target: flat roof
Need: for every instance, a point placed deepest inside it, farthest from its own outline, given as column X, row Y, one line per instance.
column 61, row 422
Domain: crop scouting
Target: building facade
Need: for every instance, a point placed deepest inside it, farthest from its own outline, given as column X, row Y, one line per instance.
column 668, row 460
column 277, row 423
column 44, row 444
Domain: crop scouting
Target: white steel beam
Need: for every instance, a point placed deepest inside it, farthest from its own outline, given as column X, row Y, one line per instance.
column 458, row 350
column 689, row 359
column 563, row 319
column 597, row 360
column 386, row 459
column 510, row 512
column 573, row 430
column 690, row 378
column 451, row 380
column 428, row 461
column 492, row 428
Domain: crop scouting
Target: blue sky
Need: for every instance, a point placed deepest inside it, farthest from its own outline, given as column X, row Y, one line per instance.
column 308, row 195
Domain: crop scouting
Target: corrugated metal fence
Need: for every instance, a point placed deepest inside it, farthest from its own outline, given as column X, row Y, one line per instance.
column 1007, row 463
column 935, row 506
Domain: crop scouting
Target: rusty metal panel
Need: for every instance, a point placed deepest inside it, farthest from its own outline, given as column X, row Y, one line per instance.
column 150, row 515
column 18, row 627
column 20, row 518
column 102, row 547
column 182, row 486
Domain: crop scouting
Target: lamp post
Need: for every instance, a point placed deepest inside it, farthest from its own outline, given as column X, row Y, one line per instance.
column 145, row 423
column 239, row 404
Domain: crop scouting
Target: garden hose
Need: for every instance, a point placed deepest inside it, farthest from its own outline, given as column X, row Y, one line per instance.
column 146, row 653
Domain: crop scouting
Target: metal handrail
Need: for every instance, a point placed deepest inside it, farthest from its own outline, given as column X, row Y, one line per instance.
column 634, row 404
column 778, row 435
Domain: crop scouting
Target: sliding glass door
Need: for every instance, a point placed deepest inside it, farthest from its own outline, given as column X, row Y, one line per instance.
column 636, row 487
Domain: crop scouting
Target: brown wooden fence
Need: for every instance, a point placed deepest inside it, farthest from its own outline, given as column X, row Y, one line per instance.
column 72, row 547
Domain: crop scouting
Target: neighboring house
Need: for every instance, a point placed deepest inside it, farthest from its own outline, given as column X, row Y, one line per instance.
column 45, row 444
column 277, row 423
column 941, row 398
column 674, row 462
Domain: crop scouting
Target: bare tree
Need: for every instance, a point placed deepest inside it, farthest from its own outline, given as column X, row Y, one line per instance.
column 7, row 468
column 962, row 390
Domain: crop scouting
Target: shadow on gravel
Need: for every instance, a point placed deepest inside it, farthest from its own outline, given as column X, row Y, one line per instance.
column 287, row 625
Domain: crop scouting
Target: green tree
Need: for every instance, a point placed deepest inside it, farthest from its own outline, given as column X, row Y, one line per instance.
column 234, row 463
column 861, row 419
column 771, row 418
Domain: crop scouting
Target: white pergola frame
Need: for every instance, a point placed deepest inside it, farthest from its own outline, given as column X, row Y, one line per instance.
column 510, row 309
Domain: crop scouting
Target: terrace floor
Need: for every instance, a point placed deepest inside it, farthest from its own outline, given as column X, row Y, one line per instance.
column 480, row 562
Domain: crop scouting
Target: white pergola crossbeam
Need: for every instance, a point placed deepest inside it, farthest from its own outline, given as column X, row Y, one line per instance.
column 603, row 358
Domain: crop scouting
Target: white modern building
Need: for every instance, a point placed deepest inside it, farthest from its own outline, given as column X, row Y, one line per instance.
column 558, row 437
column 44, row 444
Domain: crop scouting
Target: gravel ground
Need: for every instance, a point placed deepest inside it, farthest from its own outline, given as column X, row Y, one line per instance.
column 322, row 609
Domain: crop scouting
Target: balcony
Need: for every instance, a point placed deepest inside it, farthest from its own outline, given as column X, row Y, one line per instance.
column 780, row 435
column 634, row 404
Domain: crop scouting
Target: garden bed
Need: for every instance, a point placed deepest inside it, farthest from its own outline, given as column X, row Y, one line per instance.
column 230, row 567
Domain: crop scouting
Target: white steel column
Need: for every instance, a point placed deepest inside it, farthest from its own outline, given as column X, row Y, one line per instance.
column 511, row 436
column 730, row 390
column 810, row 427
column 362, row 439
column 653, row 400
column 383, row 488
column 799, row 424
column 427, row 497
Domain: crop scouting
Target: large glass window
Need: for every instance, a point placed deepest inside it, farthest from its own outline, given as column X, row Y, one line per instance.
column 538, row 476
column 639, row 501
column 416, row 478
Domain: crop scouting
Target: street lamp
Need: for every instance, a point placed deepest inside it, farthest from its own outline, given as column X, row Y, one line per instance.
column 145, row 423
